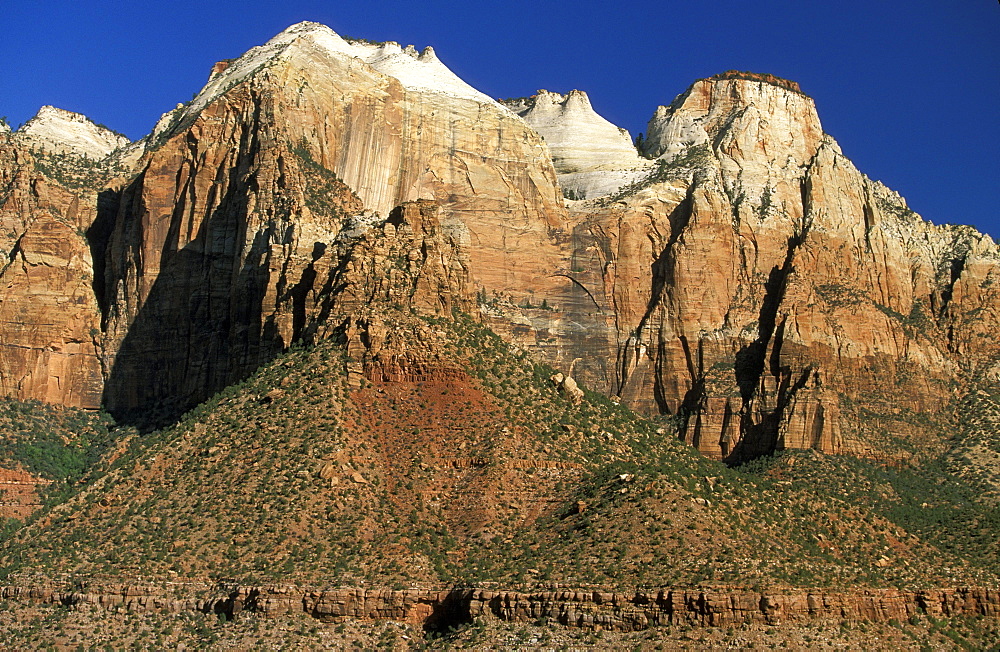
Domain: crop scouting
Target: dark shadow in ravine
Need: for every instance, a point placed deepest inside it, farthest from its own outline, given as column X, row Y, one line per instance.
column 98, row 236
column 449, row 613
column 759, row 428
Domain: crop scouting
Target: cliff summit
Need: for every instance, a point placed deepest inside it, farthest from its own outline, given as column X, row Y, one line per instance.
column 65, row 132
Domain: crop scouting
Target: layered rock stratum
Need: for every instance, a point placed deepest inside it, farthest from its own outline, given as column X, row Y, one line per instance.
column 732, row 276
column 49, row 314
column 437, row 609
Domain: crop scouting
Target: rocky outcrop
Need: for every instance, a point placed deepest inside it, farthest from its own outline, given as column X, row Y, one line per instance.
column 592, row 157
column 745, row 277
column 19, row 493
column 216, row 256
column 769, row 293
column 437, row 609
column 229, row 239
column 49, row 315
column 63, row 132
column 409, row 261
column 760, row 77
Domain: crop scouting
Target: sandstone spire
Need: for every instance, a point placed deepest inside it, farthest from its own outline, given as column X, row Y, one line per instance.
column 592, row 157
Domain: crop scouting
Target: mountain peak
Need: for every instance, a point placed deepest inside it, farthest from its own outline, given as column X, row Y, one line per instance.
column 592, row 156
column 65, row 132
column 764, row 78
column 732, row 102
column 420, row 72
column 577, row 136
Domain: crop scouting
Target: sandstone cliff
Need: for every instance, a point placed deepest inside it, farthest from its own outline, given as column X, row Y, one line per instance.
column 792, row 301
column 745, row 276
column 437, row 609
column 49, row 349
column 740, row 276
column 223, row 246
column 592, row 157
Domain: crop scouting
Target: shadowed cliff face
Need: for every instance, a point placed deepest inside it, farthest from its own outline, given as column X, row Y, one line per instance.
column 225, row 248
column 196, row 279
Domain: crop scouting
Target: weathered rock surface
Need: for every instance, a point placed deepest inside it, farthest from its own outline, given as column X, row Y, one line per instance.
column 19, row 493
column 49, row 317
column 750, row 279
column 772, row 295
column 64, row 132
column 438, row 608
column 592, row 157
column 225, row 240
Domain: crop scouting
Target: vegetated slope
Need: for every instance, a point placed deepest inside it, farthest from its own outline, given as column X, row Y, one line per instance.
column 975, row 454
column 51, row 441
column 466, row 466
column 43, row 450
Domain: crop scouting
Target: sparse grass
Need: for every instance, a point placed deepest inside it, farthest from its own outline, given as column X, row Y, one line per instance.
column 77, row 173
column 474, row 469
column 681, row 166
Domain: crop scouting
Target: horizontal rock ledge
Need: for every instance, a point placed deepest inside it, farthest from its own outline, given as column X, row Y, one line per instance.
column 440, row 608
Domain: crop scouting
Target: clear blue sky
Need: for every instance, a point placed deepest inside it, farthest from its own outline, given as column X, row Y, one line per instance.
column 910, row 89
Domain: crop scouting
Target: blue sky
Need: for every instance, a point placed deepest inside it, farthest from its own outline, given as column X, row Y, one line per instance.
column 911, row 90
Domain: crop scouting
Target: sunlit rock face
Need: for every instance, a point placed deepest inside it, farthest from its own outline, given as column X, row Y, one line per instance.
column 774, row 296
column 223, row 247
column 64, row 132
column 738, row 272
column 49, row 317
column 592, row 157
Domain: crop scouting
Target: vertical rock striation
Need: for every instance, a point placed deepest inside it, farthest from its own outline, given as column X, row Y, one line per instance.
column 743, row 276
column 792, row 302
column 49, row 317
column 226, row 246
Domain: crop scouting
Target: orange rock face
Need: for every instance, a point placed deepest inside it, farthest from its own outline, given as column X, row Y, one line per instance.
column 754, row 283
column 19, row 493
column 773, row 296
column 49, row 317
column 589, row 608
column 227, row 246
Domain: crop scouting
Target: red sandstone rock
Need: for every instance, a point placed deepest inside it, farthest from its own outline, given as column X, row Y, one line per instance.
column 760, row 286
column 572, row 608
column 49, row 316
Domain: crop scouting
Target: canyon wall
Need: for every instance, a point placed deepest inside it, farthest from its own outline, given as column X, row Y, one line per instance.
column 49, row 317
column 228, row 241
column 770, row 294
column 741, row 275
